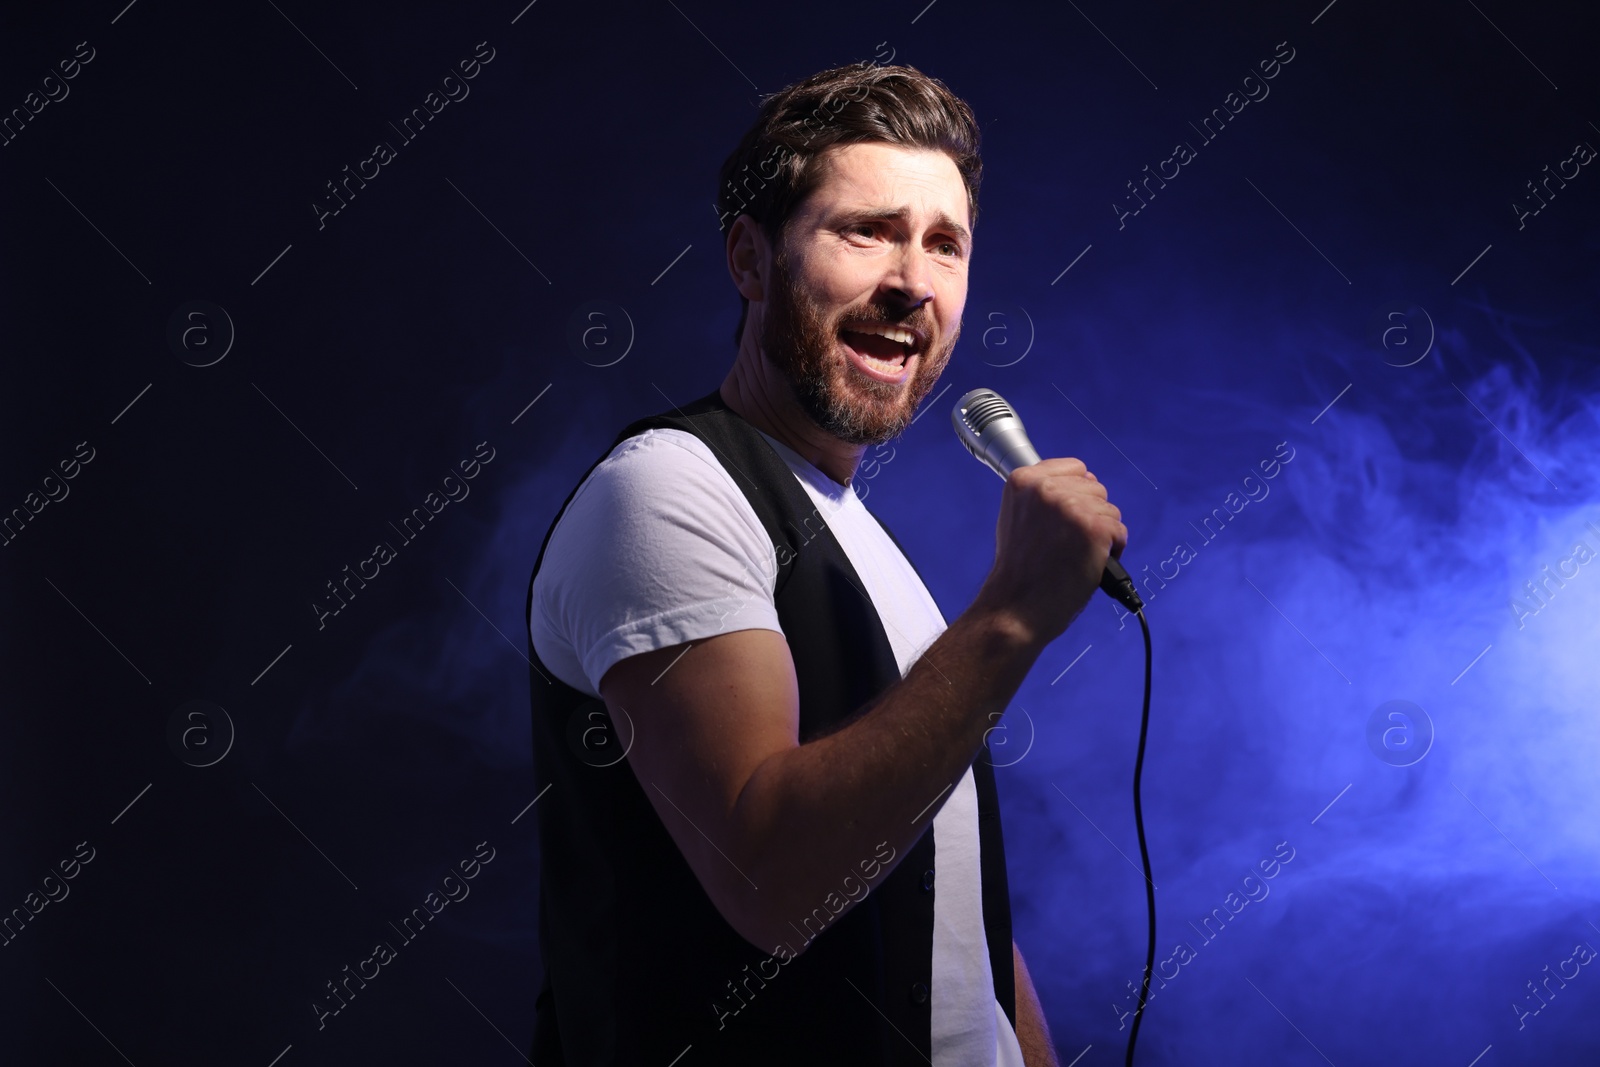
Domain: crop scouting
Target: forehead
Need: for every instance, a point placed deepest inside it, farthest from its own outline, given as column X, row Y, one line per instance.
column 875, row 175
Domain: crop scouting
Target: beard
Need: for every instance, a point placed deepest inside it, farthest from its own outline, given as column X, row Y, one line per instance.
column 802, row 342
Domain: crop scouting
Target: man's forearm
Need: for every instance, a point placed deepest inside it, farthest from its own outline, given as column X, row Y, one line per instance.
column 811, row 815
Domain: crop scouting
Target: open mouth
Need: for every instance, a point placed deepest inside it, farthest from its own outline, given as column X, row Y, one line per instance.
column 884, row 358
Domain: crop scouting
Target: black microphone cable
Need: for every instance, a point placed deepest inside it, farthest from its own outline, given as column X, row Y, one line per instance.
column 992, row 432
column 1144, row 849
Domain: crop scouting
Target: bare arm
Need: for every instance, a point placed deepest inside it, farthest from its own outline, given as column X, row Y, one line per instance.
column 772, row 827
column 1033, row 1033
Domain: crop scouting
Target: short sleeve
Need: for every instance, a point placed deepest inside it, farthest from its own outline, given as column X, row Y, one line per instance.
column 657, row 547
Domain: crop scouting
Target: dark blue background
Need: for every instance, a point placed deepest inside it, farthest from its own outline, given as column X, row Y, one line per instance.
column 1176, row 352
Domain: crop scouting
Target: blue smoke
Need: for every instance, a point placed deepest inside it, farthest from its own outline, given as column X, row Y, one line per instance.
column 1427, row 889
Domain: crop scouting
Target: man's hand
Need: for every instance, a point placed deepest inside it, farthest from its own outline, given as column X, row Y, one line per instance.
column 1055, row 532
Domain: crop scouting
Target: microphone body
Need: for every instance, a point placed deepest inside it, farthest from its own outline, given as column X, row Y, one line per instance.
column 993, row 433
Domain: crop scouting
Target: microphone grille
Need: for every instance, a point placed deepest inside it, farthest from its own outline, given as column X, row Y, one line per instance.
column 981, row 407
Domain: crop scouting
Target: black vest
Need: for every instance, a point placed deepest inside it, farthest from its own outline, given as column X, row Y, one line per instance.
column 638, row 963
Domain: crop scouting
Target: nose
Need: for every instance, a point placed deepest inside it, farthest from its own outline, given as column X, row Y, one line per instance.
column 911, row 279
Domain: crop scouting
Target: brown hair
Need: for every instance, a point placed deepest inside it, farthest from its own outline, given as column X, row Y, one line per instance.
column 774, row 168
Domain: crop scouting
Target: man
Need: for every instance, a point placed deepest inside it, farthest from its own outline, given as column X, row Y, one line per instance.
column 763, row 745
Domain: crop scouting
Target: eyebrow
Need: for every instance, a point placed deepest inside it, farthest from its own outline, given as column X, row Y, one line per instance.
column 900, row 214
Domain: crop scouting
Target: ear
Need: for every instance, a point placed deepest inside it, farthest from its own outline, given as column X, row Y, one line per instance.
column 749, row 258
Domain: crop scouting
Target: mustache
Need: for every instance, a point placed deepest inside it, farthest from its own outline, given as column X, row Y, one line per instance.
column 922, row 323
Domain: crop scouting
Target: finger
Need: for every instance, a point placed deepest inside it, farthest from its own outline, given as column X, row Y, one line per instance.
column 1062, row 465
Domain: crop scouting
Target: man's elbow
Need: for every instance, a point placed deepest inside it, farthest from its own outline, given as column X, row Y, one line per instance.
column 782, row 923
column 759, row 928
column 762, row 916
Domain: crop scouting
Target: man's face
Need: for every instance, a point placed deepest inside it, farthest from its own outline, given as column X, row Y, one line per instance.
column 881, row 242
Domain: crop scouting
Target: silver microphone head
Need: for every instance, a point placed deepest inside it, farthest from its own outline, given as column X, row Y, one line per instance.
column 992, row 432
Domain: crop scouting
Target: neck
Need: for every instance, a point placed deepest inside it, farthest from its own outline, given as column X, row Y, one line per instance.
column 758, row 393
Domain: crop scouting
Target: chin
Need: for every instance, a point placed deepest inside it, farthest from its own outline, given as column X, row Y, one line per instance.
column 861, row 415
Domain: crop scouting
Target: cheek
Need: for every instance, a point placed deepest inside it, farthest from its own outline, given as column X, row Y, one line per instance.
column 944, row 349
column 835, row 304
column 840, row 284
column 952, row 291
column 956, row 333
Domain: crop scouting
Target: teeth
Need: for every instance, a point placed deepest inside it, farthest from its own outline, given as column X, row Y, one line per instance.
column 893, row 333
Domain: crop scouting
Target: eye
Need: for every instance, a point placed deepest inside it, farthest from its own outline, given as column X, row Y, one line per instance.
column 955, row 249
column 859, row 227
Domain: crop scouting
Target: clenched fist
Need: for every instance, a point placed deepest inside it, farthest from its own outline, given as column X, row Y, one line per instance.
column 1055, row 532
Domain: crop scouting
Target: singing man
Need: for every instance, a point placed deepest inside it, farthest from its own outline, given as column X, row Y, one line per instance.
column 770, row 832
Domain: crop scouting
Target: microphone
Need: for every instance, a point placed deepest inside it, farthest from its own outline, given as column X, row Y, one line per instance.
column 993, row 433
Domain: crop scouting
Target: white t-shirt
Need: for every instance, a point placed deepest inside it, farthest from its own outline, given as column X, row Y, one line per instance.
column 659, row 546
